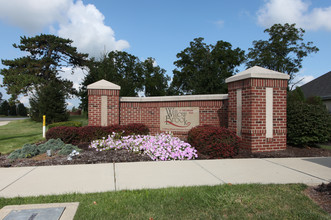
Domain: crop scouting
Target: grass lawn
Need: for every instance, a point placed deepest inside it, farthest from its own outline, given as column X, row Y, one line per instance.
column 325, row 146
column 17, row 133
column 80, row 118
column 204, row 202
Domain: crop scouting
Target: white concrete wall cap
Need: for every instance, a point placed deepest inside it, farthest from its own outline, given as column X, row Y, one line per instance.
column 257, row 72
column 103, row 84
column 175, row 98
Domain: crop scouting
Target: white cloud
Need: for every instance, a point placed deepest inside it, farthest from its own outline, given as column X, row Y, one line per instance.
column 85, row 26
column 301, row 80
column 77, row 76
column 33, row 15
column 220, row 23
column 69, row 104
column 155, row 63
column 25, row 100
column 294, row 11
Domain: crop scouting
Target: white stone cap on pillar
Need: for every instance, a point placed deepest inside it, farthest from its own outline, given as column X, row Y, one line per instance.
column 103, row 84
column 257, row 72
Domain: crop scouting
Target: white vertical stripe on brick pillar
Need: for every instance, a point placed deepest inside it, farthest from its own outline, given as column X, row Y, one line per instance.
column 269, row 112
column 239, row 111
column 104, row 119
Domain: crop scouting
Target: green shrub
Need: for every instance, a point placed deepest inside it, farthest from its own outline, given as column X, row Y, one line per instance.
column 52, row 144
column 31, row 150
column 307, row 124
column 315, row 100
column 27, row 151
column 67, row 149
column 295, row 95
column 66, row 124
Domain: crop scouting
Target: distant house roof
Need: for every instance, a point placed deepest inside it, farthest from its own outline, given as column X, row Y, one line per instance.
column 320, row 86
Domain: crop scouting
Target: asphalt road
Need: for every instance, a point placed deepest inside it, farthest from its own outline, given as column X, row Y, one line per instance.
column 12, row 119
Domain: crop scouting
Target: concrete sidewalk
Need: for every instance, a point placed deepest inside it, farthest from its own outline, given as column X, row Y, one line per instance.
column 4, row 123
column 47, row 180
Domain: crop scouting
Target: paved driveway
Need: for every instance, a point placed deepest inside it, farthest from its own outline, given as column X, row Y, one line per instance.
column 12, row 119
column 4, row 121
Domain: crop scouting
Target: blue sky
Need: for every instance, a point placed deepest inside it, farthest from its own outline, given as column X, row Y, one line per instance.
column 161, row 29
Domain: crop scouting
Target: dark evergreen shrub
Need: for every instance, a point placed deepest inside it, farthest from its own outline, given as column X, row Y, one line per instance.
column 308, row 121
column 307, row 124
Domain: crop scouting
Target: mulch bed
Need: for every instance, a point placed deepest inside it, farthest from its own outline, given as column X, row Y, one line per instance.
column 320, row 194
column 89, row 156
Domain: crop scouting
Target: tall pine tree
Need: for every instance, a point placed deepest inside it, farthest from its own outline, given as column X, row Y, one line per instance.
column 46, row 57
column 42, row 103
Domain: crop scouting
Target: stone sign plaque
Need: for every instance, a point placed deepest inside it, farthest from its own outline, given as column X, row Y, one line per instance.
column 36, row 214
column 178, row 118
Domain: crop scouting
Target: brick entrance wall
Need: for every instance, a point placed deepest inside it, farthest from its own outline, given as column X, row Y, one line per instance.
column 255, row 108
column 212, row 112
column 253, row 128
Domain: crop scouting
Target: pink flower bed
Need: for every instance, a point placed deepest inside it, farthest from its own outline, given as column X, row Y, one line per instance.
column 159, row 147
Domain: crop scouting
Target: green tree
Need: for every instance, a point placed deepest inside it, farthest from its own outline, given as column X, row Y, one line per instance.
column 202, row 68
column 74, row 109
column 42, row 103
column 295, row 96
column 46, row 56
column 21, row 110
column 127, row 71
column 4, row 108
column 283, row 51
column 13, row 110
column 118, row 67
column 155, row 79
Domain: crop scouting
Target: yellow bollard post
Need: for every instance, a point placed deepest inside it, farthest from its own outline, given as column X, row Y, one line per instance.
column 44, row 126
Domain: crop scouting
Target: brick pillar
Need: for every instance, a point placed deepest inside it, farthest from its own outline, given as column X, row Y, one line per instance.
column 257, row 108
column 103, row 103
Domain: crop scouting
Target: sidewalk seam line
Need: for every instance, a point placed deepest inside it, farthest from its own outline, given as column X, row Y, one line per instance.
column 114, row 175
column 209, row 172
column 17, row 179
column 296, row 170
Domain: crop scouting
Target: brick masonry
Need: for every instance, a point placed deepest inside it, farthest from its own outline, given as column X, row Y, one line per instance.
column 148, row 113
column 254, row 113
column 217, row 112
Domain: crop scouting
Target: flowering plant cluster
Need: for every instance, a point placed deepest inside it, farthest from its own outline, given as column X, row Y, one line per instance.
column 159, row 147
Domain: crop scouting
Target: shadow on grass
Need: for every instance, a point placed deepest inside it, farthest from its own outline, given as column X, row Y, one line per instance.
column 22, row 136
